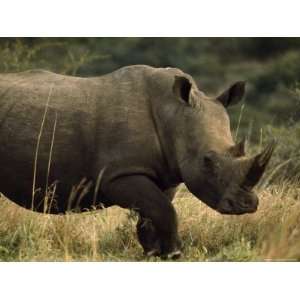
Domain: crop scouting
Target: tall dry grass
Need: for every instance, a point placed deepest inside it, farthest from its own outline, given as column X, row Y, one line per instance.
column 272, row 233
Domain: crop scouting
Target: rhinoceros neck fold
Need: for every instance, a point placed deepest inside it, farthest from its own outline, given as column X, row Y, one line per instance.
column 166, row 144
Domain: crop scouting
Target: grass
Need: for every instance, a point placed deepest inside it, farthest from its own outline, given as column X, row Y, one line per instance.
column 271, row 234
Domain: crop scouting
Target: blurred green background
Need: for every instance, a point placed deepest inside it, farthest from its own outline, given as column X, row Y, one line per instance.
column 271, row 67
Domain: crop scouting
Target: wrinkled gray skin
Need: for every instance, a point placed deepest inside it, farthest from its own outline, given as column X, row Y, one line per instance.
column 134, row 135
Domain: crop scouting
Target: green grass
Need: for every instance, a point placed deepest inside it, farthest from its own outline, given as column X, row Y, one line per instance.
column 272, row 233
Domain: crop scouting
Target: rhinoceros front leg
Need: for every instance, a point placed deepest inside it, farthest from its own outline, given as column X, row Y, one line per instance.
column 147, row 234
column 148, row 237
column 139, row 193
column 170, row 193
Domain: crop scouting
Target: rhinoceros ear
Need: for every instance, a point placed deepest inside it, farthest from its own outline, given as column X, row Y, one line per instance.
column 233, row 95
column 182, row 88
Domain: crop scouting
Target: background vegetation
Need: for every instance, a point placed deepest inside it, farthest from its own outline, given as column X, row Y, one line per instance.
column 271, row 109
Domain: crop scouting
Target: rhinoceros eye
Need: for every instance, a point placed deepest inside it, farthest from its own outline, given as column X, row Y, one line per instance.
column 210, row 162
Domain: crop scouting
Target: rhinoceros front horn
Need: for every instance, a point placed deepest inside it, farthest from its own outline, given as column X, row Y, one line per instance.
column 258, row 165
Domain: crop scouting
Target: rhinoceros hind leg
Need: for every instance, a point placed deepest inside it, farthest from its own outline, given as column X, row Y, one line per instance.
column 141, row 194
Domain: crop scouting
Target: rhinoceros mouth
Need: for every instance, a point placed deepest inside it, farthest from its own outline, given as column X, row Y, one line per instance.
column 248, row 210
column 229, row 207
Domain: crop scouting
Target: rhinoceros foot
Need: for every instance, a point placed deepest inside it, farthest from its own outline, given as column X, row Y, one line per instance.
column 153, row 244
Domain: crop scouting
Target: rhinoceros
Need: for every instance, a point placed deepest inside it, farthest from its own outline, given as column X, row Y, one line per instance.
column 129, row 139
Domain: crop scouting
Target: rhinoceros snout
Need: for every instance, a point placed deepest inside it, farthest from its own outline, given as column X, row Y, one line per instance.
column 238, row 206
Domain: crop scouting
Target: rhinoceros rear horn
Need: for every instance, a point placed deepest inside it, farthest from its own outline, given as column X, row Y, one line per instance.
column 239, row 148
column 258, row 165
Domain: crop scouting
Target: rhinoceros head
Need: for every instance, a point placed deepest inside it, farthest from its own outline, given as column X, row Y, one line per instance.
column 213, row 167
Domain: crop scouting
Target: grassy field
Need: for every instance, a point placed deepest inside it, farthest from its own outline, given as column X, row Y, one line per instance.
column 271, row 234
